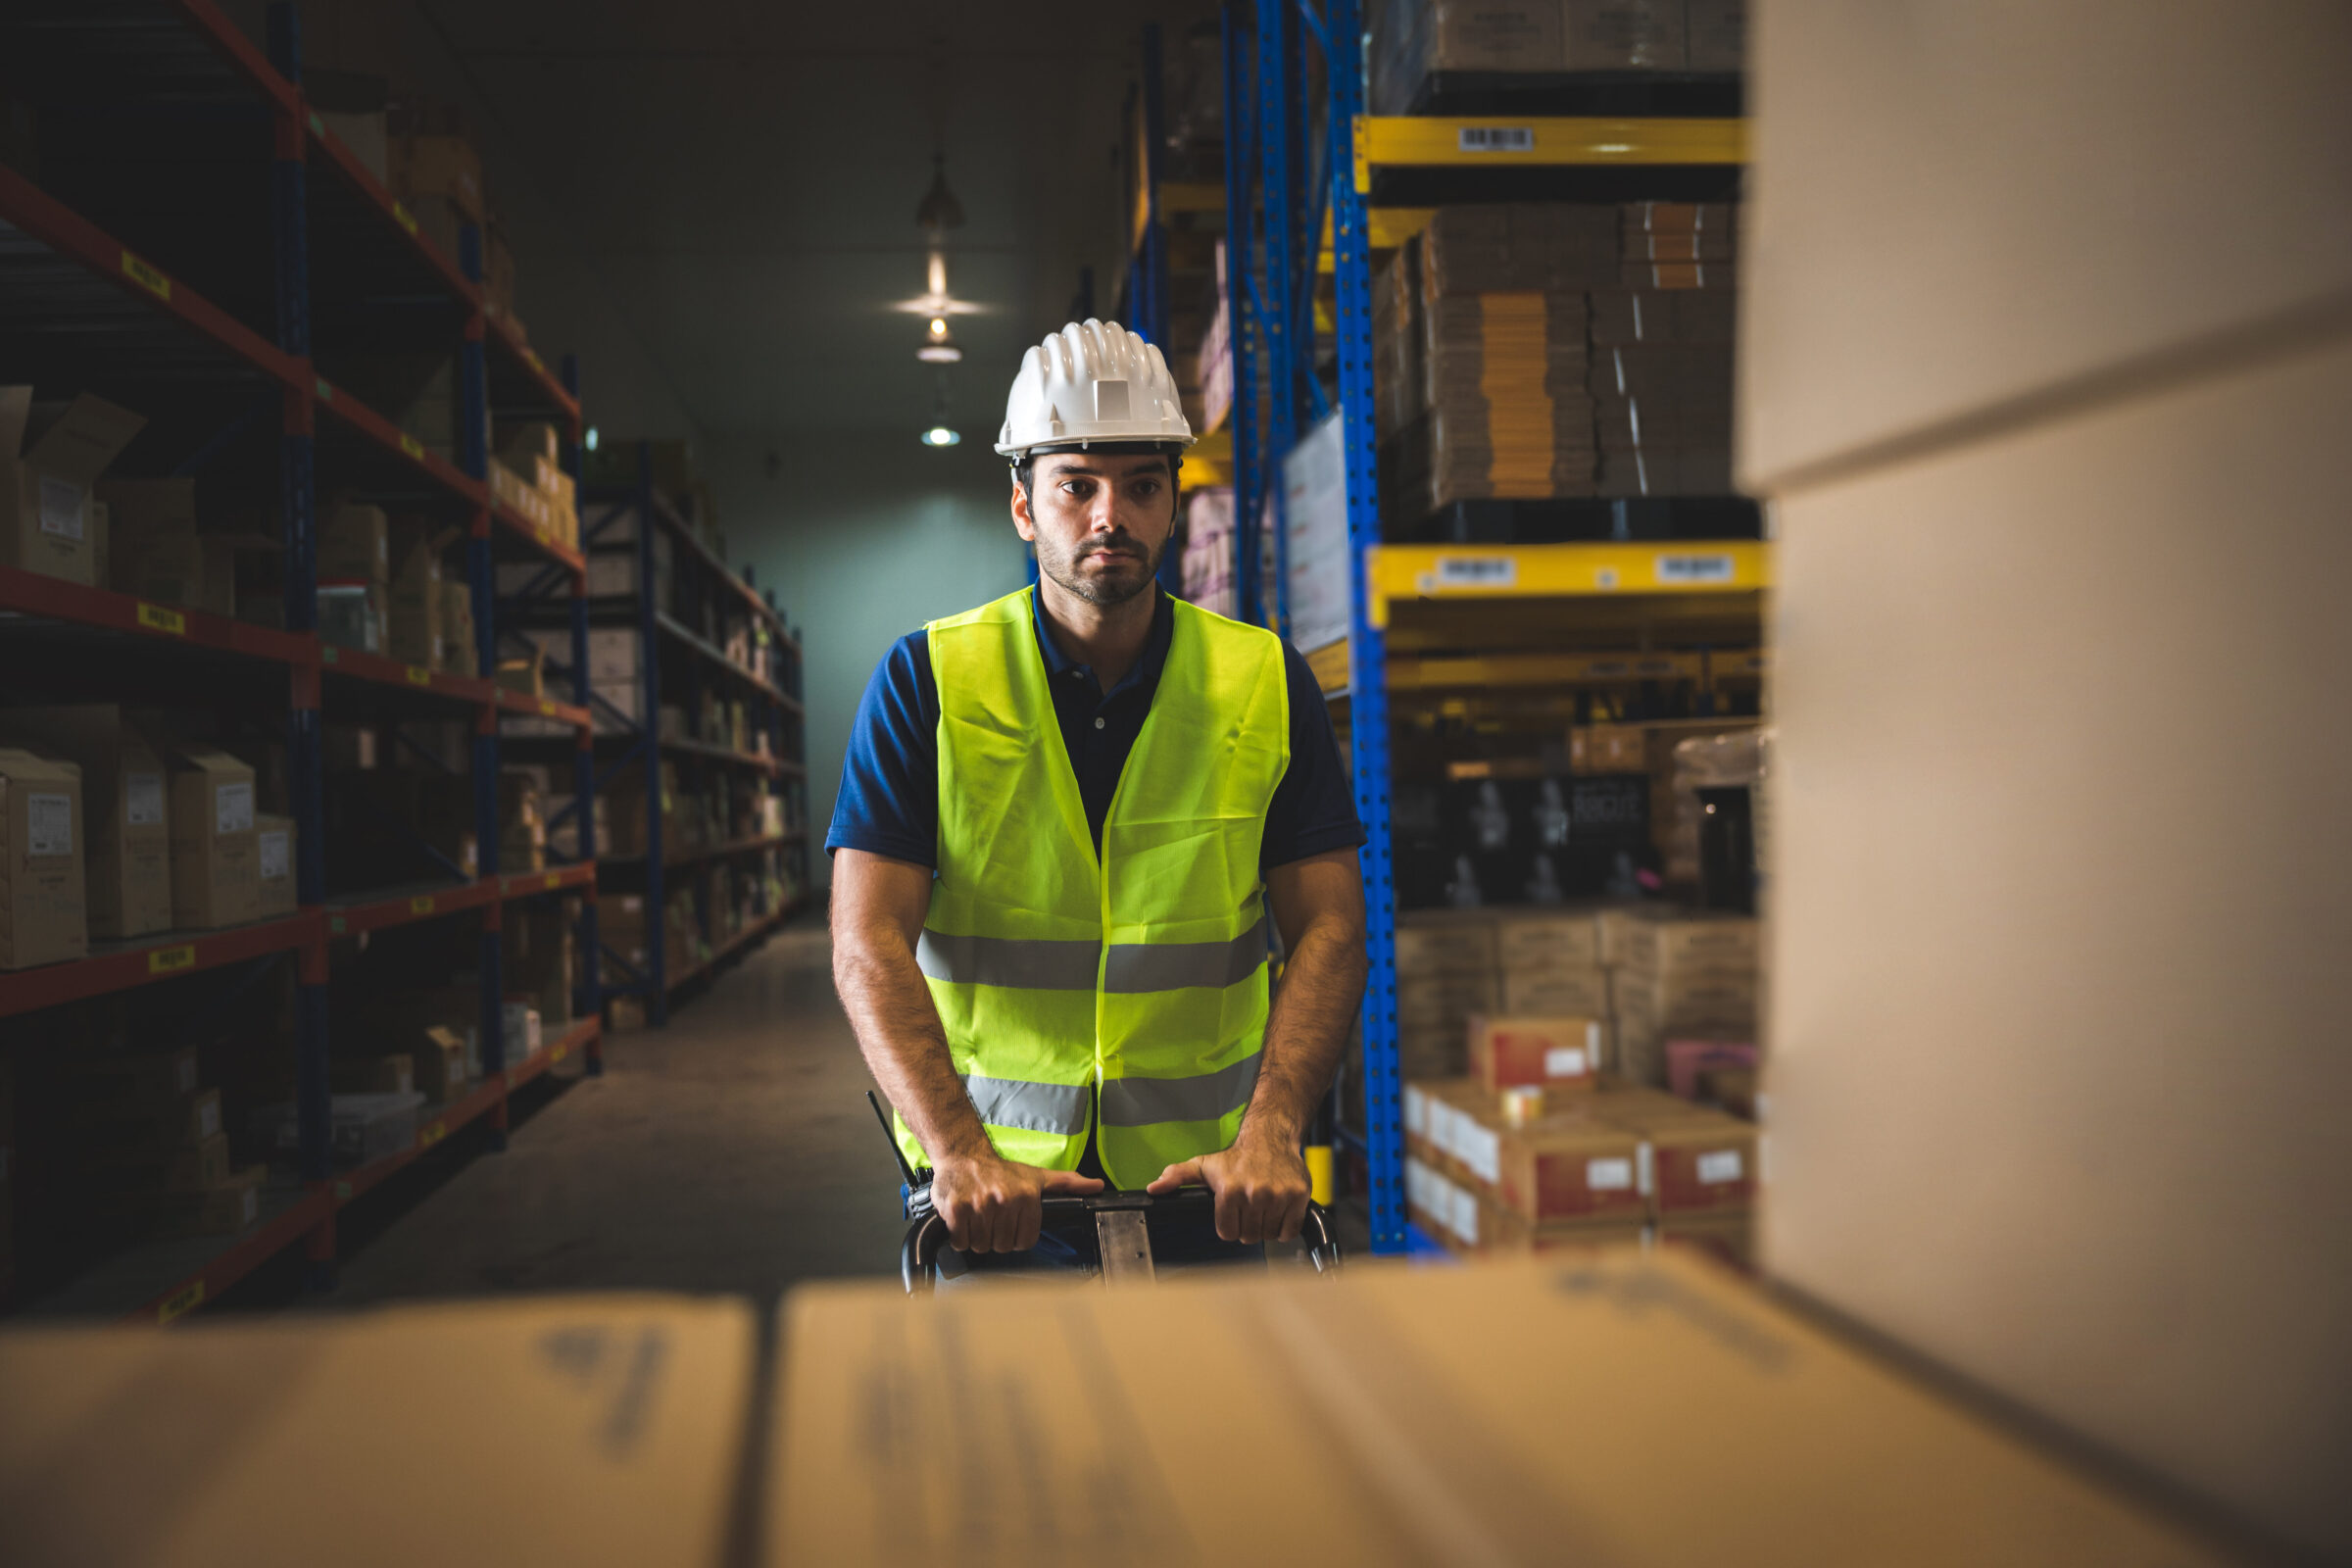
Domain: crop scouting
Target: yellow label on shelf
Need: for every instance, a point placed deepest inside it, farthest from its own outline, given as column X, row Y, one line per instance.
column 432, row 1133
column 422, row 905
column 555, row 879
column 334, row 925
column 317, row 127
column 155, row 618
column 547, row 708
column 170, row 960
column 188, row 1296
column 326, row 393
column 147, row 275
column 412, row 446
column 404, row 218
column 558, row 1054
column 342, row 1191
column 418, row 676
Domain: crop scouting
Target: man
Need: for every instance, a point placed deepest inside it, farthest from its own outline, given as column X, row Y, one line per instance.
column 1063, row 818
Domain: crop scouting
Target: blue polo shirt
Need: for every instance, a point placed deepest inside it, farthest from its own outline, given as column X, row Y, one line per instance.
column 889, row 799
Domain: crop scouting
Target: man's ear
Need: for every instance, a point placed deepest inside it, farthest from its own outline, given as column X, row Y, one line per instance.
column 1022, row 523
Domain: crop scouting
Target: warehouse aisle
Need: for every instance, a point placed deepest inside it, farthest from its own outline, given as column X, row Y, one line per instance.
column 732, row 1152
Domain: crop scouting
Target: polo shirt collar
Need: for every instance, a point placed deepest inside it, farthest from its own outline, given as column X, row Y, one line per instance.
column 1146, row 669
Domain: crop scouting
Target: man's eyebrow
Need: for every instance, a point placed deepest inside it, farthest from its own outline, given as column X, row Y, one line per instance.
column 1092, row 472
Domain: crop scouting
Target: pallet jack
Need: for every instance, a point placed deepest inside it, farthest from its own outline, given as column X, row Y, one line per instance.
column 1120, row 1223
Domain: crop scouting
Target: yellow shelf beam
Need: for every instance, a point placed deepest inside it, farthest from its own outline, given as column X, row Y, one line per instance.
column 1390, row 141
column 1562, row 571
column 1388, row 227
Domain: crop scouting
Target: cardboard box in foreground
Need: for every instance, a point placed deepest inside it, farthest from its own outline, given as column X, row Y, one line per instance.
column 584, row 1430
column 1617, row 1409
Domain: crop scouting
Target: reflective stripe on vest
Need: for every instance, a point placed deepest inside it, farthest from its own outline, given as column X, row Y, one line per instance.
column 1127, row 986
column 1131, row 969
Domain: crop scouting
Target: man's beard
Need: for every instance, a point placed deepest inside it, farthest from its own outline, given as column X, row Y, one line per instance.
column 1106, row 592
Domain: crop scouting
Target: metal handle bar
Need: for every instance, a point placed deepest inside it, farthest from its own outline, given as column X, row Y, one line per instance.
column 918, row 1255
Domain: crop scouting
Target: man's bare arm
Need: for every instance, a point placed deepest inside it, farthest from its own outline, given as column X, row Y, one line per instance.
column 988, row 1204
column 1261, row 1181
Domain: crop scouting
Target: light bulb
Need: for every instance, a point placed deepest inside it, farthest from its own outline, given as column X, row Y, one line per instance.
column 939, row 326
column 939, row 435
column 589, row 440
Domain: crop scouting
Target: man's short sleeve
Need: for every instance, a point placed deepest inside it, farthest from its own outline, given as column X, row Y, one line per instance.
column 1314, row 809
column 888, row 798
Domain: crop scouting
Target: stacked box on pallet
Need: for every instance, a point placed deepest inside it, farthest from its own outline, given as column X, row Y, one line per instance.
column 1417, row 46
column 1677, row 974
column 1603, row 1167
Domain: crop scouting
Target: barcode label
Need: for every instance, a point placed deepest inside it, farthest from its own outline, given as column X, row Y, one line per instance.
column 1477, row 571
column 1694, row 569
column 1721, row 1165
column 1498, row 138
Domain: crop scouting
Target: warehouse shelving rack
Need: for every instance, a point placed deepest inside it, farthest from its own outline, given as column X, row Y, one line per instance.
column 1297, row 210
column 233, row 229
column 642, row 512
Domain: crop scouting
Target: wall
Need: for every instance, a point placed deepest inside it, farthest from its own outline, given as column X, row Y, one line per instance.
column 2047, row 344
column 863, row 537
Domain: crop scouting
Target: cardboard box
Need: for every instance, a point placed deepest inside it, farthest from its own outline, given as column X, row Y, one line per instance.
column 355, row 543
column 43, row 904
column 128, row 841
column 1687, row 1061
column 1484, row 35
column 1660, row 939
column 592, row 1430
column 1624, row 35
column 1584, row 991
column 158, row 552
column 395, row 1074
column 443, row 165
column 200, row 1165
column 438, row 1064
column 152, row 1075
column 1463, row 1390
column 182, row 1121
column 1717, row 34
column 215, row 845
column 524, row 672
column 459, row 654
column 1570, row 1164
column 1452, row 942
column 222, row 1209
column 1553, row 1052
column 1539, row 939
column 46, row 521
column 274, row 866
column 412, row 631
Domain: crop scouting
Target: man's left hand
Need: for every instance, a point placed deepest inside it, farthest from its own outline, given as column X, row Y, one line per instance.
column 1260, row 1184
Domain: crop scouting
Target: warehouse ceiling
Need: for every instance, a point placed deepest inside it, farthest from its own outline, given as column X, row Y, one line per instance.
column 739, row 179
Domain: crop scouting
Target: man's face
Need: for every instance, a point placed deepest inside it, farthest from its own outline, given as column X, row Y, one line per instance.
column 1100, row 521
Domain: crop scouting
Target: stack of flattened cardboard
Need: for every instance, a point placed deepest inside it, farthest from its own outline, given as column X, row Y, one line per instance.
column 1661, row 369
column 1503, row 325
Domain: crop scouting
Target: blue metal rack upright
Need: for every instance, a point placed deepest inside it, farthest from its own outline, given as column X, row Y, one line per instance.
column 1270, row 238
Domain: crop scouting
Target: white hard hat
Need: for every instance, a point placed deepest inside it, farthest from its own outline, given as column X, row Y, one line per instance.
column 1090, row 381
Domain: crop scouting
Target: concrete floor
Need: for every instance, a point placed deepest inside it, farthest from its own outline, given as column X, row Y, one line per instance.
column 732, row 1152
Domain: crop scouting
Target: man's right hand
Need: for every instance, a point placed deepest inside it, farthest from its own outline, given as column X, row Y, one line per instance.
column 994, row 1204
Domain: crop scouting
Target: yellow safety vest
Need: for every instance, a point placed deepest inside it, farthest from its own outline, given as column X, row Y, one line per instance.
column 1130, row 987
